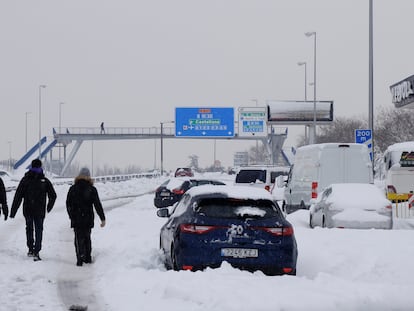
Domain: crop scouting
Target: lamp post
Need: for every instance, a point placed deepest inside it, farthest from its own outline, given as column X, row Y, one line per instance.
column 306, row 98
column 304, row 64
column 162, row 145
column 42, row 86
column 26, row 113
column 312, row 138
column 371, row 81
column 92, row 158
column 10, row 166
column 60, row 126
column 60, row 116
column 155, row 148
column 257, row 143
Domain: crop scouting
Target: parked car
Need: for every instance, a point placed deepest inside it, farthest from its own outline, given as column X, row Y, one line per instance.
column 260, row 176
column 351, row 205
column 184, row 171
column 243, row 226
column 171, row 191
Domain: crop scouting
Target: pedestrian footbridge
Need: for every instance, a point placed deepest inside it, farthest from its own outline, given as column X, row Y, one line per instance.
column 62, row 138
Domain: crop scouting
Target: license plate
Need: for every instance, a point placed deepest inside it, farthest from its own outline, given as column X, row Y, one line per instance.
column 165, row 194
column 239, row 252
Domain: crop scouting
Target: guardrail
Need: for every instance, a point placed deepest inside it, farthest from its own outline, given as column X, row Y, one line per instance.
column 115, row 178
column 102, row 179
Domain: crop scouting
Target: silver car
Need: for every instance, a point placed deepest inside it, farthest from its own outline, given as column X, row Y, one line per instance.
column 351, row 205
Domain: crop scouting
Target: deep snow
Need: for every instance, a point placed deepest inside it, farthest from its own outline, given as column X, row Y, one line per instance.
column 337, row 269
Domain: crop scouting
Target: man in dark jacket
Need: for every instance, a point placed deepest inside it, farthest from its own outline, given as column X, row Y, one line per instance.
column 33, row 189
column 3, row 200
column 81, row 199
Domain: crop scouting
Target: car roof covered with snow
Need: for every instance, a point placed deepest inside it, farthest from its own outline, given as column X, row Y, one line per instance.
column 236, row 192
column 357, row 195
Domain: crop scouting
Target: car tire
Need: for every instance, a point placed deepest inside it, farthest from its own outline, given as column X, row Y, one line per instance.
column 310, row 221
column 323, row 222
column 164, row 257
column 174, row 259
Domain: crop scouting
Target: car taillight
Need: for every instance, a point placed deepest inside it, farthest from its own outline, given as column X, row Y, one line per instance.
column 267, row 187
column 198, row 229
column 390, row 206
column 279, row 231
column 178, row 191
column 314, row 190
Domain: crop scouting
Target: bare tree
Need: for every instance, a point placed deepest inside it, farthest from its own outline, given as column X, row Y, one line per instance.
column 393, row 126
column 194, row 161
column 341, row 130
column 258, row 154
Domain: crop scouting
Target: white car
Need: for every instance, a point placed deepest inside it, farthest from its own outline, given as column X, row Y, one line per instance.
column 351, row 205
column 260, row 176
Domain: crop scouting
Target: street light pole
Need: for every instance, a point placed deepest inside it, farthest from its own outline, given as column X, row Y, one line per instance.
column 257, row 143
column 371, row 81
column 306, row 98
column 312, row 139
column 26, row 113
column 60, row 117
column 10, row 166
column 304, row 64
column 162, row 149
column 60, row 127
column 162, row 145
column 42, row 86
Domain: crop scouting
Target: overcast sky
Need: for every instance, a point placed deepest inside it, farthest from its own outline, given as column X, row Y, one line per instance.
column 129, row 63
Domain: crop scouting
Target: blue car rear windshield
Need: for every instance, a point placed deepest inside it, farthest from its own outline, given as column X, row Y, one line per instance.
column 231, row 208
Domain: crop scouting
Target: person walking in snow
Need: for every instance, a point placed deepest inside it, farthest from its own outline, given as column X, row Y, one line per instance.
column 3, row 200
column 81, row 199
column 102, row 128
column 33, row 189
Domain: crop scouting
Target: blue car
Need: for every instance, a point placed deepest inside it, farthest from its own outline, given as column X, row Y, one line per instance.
column 240, row 225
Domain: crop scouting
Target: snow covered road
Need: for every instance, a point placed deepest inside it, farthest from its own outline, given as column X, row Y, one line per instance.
column 337, row 269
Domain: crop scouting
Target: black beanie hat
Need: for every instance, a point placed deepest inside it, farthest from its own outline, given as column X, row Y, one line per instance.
column 36, row 163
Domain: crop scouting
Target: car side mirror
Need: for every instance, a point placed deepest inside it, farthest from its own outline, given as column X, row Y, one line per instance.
column 163, row 212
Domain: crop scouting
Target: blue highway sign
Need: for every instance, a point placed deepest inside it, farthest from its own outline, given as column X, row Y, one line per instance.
column 364, row 136
column 204, row 122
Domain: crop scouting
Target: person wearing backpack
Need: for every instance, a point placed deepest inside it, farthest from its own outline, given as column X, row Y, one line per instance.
column 33, row 189
column 81, row 199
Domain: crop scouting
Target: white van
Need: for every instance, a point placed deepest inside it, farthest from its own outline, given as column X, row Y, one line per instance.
column 317, row 166
column 399, row 168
